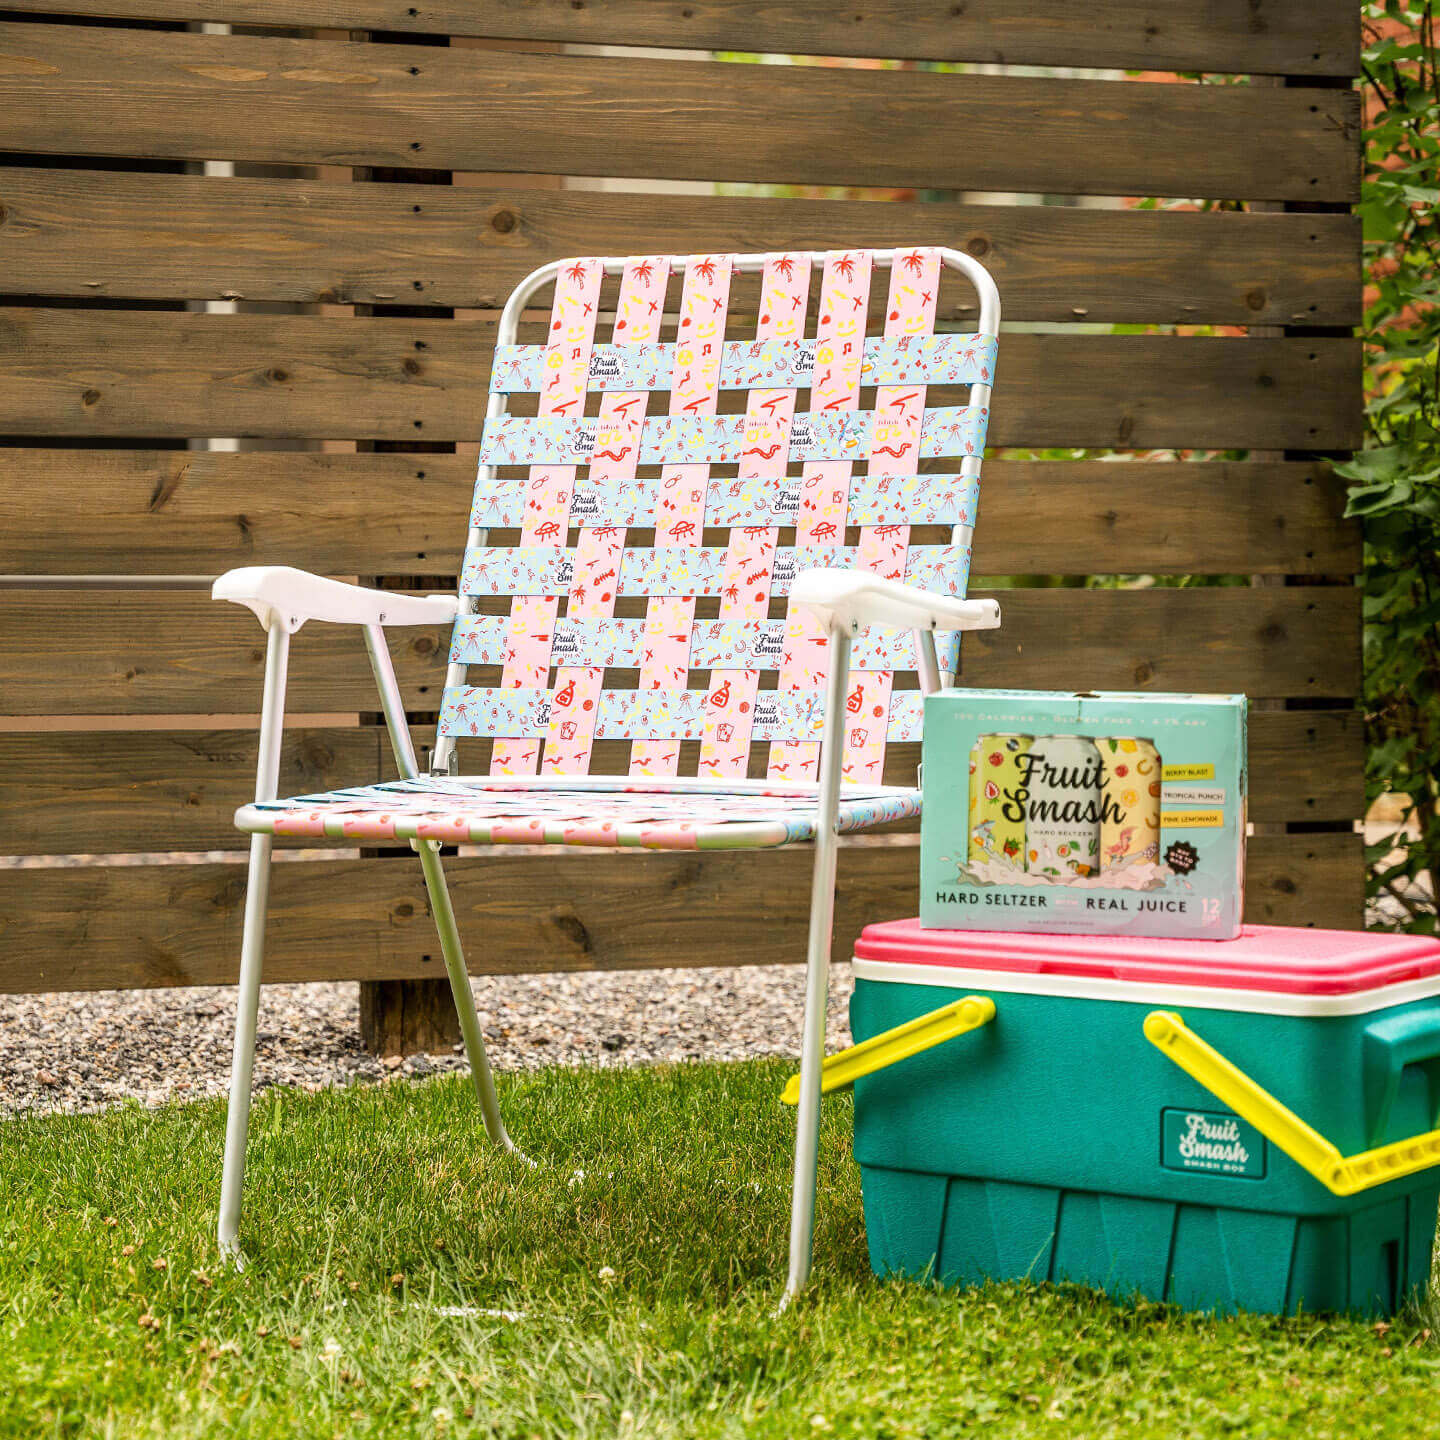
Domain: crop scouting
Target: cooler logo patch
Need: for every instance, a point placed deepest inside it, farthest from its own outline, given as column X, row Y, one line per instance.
column 1211, row 1142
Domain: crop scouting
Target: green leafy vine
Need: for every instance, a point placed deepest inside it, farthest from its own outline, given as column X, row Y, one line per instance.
column 1395, row 489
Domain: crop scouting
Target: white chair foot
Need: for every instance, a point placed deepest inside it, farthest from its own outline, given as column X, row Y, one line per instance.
column 512, row 1148
column 232, row 1254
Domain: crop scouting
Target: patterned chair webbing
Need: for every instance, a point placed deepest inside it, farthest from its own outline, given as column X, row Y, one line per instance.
column 750, row 556
column 683, row 816
column 835, row 393
column 679, row 515
column 595, row 578
column 596, row 474
column 547, row 509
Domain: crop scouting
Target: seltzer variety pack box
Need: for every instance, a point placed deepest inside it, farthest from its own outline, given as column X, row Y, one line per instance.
column 1084, row 814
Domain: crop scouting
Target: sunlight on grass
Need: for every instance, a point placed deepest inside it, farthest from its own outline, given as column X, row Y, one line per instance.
column 643, row 1257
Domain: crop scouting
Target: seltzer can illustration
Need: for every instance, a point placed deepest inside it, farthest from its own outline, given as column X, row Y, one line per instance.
column 998, row 800
column 1130, row 810
column 1062, row 834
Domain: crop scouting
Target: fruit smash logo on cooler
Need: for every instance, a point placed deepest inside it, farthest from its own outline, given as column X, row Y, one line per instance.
column 1215, row 1142
column 1218, row 1142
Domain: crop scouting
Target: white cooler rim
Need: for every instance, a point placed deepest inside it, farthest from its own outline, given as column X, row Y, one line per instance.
column 1140, row 992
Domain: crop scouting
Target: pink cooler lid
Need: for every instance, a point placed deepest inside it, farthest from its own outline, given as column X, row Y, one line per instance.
column 1273, row 958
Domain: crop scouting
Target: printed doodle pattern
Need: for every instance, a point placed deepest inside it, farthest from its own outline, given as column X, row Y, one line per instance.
column 732, row 439
column 789, row 363
column 928, row 499
column 592, row 582
column 751, row 561
column 899, row 423
column 677, row 570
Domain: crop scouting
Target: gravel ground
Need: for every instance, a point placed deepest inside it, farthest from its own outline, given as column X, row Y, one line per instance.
column 81, row 1052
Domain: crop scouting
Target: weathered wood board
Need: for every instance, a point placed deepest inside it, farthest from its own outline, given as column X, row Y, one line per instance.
column 180, row 96
column 157, row 512
column 170, row 653
column 87, row 373
column 118, row 235
column 150, row 791
column 115, row 926
column 1267, row 37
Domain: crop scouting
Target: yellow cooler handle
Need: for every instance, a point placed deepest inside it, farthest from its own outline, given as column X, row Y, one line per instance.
column 1282, row 1127
column 841, row 1071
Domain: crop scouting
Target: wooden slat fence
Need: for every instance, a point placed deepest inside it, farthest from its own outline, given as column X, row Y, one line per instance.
column 107, row 232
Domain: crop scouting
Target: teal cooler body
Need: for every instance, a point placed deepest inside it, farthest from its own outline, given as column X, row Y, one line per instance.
column 1057, row 1143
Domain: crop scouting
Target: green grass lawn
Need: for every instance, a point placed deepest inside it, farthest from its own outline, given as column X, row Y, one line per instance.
column 644, row 1256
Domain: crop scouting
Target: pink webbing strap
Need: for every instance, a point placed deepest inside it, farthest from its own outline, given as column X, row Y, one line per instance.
column 680, row 500
column 894, row 451
column 750, row 557
column 547, row 510
column 593, row 587
column 825, row 489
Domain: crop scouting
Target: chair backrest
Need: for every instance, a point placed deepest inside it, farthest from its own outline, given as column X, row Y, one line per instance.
column 614, row 553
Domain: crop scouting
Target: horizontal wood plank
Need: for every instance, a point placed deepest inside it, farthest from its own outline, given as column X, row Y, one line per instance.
column 100, row 373
column 156, row 512
column 1266, row 37
column 172, row 653
column 82, row 233
column 74, row 90
column 1260, row 642
column 1307, row 880
column 141, row 792
column 522, row 911
column 163, row 790
column 1306, row 765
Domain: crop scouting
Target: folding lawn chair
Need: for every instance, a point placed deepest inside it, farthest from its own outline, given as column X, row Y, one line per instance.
column 576, row 480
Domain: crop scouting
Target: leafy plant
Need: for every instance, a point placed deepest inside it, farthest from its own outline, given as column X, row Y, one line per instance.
column 1396, row 479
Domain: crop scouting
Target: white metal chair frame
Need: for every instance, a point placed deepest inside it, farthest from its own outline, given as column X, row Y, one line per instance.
column 284, row 599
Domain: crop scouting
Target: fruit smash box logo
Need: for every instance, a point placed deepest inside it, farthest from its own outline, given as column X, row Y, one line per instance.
column 1063, row 809
column 1214, row 1142
column 1083, row 804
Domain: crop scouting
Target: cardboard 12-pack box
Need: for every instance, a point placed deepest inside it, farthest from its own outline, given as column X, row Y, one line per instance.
column 1085, row 814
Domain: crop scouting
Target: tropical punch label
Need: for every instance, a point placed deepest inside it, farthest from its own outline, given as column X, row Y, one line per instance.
column 1213, row 1142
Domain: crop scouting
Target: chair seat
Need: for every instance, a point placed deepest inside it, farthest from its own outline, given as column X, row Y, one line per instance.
column 660, row 815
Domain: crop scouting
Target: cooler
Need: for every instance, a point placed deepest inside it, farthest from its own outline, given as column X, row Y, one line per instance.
column 1245, row 1124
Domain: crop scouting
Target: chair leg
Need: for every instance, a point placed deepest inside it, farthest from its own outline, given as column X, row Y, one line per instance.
column 817, row 977
column 247, row 1008
column 449, row 932
column 807, row 1111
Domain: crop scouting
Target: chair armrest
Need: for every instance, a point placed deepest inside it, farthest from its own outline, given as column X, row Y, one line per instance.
column 291, row 597
column 856, row 597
